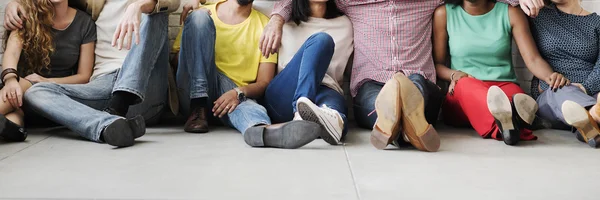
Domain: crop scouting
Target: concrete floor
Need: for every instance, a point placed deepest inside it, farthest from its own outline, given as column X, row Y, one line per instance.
column 169, row 164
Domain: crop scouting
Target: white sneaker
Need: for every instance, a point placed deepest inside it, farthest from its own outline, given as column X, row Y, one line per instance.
column 297, row 117
column 328, row 118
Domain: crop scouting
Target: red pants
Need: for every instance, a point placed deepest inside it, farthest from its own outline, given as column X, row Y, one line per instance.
column 469, row 105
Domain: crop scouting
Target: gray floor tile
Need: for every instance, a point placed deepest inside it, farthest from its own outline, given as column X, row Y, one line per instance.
column 9, row 148
column 468, row 167
column 169, row 164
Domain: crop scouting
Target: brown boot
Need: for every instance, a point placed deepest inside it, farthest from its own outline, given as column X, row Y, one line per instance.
column 197, row 122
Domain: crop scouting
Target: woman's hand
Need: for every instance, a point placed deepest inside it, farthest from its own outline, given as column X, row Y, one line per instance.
column 36, row 78
column 457, row 76
column 557, row 80
column 226, row 103
column 12, row 93
column 13, row 16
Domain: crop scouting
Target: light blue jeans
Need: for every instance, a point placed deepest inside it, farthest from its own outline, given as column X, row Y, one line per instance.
column 197, row 75
column 144, row 73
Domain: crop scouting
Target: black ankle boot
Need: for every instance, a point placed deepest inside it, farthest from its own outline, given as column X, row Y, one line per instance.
column 10, row 131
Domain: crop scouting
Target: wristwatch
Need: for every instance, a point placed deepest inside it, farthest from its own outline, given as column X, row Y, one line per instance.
column 240, row 94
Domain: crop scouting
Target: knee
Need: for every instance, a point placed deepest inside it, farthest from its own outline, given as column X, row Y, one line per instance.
column 36, row 92
column 199, row 20
column 324, row 40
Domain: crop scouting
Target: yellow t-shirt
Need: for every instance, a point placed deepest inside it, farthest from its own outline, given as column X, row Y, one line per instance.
column 237, row 55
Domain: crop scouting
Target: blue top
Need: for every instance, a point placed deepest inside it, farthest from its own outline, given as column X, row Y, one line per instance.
column 570, row 44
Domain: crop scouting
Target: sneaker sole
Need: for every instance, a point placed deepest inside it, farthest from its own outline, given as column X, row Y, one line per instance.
column 308, row 112
column 118, row 134
column 578, row 117
column 499, row 106
column 420, row 133
column 526, row 107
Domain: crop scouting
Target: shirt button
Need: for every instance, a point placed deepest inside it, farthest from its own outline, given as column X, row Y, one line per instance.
column 393, row 38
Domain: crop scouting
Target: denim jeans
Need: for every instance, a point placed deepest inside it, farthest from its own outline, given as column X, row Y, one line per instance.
column 550, row 104
column 364, row 104
column 302, row 77
column 197, row 75
column 144, row 73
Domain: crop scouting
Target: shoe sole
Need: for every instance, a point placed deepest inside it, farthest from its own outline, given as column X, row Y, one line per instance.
column 499, row 106
column 578, row 117
column 293, row 128
column 420, row 133
column 191, row 130
column 118, row 134
column 138, row 126
column 389, row 112
column 526, row 107
column 308, row 112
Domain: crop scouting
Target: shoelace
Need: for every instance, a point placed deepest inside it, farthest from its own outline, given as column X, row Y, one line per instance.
column 331, row 112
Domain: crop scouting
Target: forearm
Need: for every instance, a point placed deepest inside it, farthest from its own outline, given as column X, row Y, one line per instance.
column 282, row 8
column 443, row 72
column 539, row 68
column 74, row 79
column 255, row 90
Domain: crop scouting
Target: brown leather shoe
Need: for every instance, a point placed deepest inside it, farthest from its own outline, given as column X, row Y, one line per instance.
column 197, row 122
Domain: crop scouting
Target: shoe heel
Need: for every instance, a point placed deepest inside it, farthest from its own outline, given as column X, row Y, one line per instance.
column 379, row 139
column 430, row 139
column 578, row 117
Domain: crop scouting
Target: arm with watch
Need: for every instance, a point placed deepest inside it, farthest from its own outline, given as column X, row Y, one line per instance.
column 231, row 99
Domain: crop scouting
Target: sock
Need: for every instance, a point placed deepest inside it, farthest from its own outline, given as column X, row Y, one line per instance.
column 121, row 101
column 198, row 103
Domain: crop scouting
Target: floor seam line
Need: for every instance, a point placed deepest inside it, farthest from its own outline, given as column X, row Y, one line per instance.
column 25, row 148
column 352, row 174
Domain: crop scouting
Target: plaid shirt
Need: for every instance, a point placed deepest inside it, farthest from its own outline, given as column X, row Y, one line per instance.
column 390, row 36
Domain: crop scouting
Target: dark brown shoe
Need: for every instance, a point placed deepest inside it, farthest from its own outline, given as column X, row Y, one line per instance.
column 197, row 122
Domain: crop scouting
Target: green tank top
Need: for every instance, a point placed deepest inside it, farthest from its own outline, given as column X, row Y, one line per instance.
column 481, row 45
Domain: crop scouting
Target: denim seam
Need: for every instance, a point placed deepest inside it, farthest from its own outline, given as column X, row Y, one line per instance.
column 126, row 89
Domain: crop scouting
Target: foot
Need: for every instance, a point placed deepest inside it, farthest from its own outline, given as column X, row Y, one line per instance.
column 197, row 122
column 291, row 135
column 329, row 119
column 501, row 109
column 10, row 131
column 401, row 104
column 118, row 134
column 578, row 117
column 137, row 123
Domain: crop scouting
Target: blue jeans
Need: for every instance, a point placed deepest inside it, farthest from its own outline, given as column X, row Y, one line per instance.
column 302, row 77
column 550, row 104
column 197, row 75
column 144, row 73
column 364, row 104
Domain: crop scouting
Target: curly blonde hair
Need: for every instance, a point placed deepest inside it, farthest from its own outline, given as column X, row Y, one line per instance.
column 36, row 35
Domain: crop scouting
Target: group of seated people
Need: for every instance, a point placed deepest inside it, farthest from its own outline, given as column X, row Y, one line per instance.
column 278, row 80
